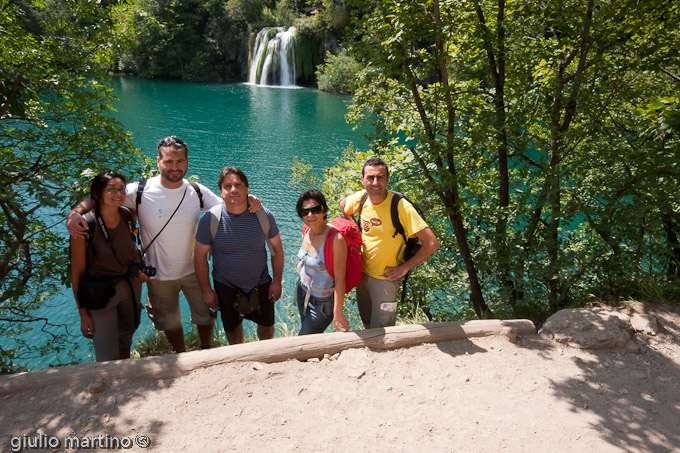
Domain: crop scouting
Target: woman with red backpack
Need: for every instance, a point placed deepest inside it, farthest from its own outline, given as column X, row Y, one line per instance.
column 320, row 296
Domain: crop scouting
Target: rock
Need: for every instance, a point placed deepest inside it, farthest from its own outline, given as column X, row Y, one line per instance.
column 353, row 357
column 644, row 323
column 589, row 329
column 95, row 387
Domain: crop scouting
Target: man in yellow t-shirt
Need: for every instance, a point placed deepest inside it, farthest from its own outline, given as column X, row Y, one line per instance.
column 382, row 250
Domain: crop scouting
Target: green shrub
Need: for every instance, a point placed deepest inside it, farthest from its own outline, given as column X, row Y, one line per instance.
column 338, row 74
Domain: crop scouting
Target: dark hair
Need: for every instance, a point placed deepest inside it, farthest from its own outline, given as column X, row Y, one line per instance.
column 375, row 162
column 226, row 171
column 99, row 182
column 312, row 194
column 176, row 144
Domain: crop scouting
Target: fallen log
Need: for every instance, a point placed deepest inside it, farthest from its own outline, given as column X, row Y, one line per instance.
column 269, row 351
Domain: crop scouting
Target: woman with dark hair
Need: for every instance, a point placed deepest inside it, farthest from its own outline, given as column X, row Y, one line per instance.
column 105, row 271
column 320, row 297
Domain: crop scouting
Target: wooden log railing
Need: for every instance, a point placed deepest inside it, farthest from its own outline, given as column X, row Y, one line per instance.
column 276, row 350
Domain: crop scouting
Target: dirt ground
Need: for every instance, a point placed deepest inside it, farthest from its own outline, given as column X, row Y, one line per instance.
column 481, row 394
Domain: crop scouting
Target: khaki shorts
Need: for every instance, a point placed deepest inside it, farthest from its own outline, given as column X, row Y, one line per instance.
column 377, row 301
column 162, row 302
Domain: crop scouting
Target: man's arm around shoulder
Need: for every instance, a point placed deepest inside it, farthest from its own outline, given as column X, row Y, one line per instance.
column 75, row 222
column 346, row 208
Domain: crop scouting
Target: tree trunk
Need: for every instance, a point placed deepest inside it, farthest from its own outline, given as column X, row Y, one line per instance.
column 496, row 58
column 269, row 351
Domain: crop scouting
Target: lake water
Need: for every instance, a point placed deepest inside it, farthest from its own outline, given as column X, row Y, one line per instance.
column 258, row 129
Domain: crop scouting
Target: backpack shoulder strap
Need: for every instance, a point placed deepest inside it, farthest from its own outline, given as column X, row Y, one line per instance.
column 215, row 216
column 91, row 228
column 394, row 213
column 142, row 184
column 140, row 190
column 130, row 219
column 196, row 187
column 364, row 197
column 264, row 223
column 328, row 251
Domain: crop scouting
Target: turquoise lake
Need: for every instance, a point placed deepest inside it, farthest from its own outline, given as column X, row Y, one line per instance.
column 258, row 129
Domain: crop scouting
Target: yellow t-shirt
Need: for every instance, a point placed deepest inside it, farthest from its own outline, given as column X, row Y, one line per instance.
column 379, row 248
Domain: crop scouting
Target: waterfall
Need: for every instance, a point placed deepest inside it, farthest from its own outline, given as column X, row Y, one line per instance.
column 273, row 57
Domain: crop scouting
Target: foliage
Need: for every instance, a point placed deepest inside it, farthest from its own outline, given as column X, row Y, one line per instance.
column 247, row 11
column 301, row 175
column 188, row 39
column 283, row 14
column 210, row 39
column 55, row 132
column 156, row 343
column 547, row 135
column 324, row 17
column 306, row 55
column 338, row 73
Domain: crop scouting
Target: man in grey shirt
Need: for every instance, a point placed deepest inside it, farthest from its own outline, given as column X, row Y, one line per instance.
column 237, row 239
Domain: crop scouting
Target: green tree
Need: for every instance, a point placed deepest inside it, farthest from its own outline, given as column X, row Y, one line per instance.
column 188, row 40
column 338, row 73
column 55, row 132
column 520, row 119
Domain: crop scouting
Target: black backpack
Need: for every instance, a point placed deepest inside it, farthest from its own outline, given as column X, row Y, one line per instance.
column 412, row 244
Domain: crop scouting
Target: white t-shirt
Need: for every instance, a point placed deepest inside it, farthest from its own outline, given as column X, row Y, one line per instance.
column 172, row 253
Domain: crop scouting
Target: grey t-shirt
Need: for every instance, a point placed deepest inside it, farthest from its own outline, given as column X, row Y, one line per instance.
column 239, row 248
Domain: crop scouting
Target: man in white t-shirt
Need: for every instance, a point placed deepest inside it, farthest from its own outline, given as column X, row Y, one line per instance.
column 168, row 210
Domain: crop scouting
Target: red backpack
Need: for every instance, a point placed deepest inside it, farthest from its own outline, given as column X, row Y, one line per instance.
column 355, row 264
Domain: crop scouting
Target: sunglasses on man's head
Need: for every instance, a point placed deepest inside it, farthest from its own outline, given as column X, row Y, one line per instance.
column 167, row 141
column 304, row 212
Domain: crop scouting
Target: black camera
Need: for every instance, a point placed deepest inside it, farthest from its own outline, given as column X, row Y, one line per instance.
column 140, row 266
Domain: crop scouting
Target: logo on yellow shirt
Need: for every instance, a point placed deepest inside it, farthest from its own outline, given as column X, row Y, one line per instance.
column 366, row 224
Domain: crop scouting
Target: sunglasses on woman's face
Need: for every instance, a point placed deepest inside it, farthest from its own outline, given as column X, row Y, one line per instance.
column 304, row 212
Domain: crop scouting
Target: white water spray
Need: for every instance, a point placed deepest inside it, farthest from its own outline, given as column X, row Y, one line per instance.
column 273, row 61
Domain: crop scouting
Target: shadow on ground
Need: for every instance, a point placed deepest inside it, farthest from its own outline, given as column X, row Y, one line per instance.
column 635, row 396
column 91, row 411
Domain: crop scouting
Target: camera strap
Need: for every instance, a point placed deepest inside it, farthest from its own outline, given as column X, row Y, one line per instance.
column 144, row 249
column 102, row 226
column 124, row 212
